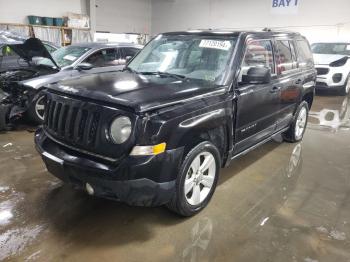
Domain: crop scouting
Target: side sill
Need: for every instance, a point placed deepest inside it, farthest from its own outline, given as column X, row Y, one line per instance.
column 231, row 156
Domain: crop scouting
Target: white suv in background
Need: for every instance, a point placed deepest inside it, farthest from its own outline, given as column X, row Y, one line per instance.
column 333, row 66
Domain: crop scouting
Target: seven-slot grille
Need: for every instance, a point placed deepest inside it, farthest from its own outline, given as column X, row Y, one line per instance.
column 322, row 71
column 71, row 121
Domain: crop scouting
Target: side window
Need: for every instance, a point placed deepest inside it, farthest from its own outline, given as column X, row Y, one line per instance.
column 286, row 56
column 102, row 58
column 305, row 58
column 128, row 51
column 258, row 53
column 6, row 51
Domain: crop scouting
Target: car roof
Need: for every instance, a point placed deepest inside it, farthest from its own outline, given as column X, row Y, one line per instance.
column 109, row 44
column 333, row 42
column 233, row 32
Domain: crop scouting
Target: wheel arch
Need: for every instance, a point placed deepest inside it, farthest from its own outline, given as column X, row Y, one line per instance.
column 309, row 98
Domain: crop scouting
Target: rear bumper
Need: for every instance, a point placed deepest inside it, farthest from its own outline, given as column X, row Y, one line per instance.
column 140, row 181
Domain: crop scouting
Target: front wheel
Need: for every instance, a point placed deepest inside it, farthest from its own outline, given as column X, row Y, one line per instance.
column 297, row 128
column 346, row 88
column 197, row 180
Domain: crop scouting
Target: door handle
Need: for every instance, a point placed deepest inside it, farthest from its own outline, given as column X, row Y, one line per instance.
column 298, row 82
column 275, row 89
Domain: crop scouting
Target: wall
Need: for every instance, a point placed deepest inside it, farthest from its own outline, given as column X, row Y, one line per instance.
column 123, row 16
column 16, row 11
column 318, row 20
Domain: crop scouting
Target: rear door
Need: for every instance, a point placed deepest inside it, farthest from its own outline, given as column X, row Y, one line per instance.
column 257, row 104
column 306, row 62
column 291, row 80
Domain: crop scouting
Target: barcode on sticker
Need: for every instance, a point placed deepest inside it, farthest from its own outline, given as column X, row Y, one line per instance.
column 216, row 44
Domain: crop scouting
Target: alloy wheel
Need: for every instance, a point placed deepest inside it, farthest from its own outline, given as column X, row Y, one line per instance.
column 300, row 123
column 40, row 107
column 200, row 178
column 347, row 87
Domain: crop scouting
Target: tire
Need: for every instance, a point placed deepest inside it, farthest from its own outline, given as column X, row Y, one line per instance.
column 33, row 113
column 298, row 126
column 346, row 88
column 194, row 201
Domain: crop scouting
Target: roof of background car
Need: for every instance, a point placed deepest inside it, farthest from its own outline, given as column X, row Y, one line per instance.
column 102, row 45
column 231, row 32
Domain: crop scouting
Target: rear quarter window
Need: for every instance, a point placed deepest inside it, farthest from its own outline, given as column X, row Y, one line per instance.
column 286, row 57
column 304, row 54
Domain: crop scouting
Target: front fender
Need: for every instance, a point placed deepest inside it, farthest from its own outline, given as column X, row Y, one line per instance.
column 187, row 126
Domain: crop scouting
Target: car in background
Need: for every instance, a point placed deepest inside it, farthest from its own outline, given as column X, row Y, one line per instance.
column 8, row 58
column 24, row 84
column 333, row 66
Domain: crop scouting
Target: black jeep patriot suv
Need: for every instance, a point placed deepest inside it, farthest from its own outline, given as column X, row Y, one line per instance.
column 190, row 102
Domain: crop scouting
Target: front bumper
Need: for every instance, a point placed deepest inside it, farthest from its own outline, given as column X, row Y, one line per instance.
column 326, row 81
column 140, row 180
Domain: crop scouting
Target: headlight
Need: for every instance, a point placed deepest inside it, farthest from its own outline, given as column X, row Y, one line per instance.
column 339, row 62
column 120, row 129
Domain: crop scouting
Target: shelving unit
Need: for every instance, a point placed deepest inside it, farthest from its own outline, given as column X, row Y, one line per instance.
column 64, row 31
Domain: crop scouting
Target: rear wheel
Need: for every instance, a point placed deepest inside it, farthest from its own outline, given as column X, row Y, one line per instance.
column 197, row 180
column 297, row 128
column 36, row 110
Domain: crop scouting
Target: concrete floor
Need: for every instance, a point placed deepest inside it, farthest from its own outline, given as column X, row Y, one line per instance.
column 282, row 202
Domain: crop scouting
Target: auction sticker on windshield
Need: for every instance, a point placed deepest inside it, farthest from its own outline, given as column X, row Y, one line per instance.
column 216, row 44
column 69, row 57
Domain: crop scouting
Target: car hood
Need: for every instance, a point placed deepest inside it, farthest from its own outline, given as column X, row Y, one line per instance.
column 325, row 59
column 30, row 48
column 139, row 92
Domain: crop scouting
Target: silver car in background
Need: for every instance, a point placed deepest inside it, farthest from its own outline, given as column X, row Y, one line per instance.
column 64, row 63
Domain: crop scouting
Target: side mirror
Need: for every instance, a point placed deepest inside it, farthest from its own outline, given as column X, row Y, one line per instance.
column 257, row 75
column 127, row 59
column 84, row 66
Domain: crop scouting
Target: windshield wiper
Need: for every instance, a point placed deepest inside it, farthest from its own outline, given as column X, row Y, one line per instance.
column 129, row 69
column 163, row 74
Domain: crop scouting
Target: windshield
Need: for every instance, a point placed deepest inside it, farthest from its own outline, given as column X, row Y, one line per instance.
column 331, row 48
column 195, row 57
column 65, row 56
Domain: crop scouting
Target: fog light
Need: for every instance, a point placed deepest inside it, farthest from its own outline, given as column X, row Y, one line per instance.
column 337, row 78
column 89, row 189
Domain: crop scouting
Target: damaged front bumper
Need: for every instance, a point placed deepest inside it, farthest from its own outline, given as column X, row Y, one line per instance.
column 138, row 180
column 5, row 109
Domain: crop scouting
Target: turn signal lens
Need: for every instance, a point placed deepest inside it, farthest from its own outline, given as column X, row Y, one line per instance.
column 148, row 150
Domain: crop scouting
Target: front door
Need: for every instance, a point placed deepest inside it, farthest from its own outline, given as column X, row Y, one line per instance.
column 257, row 104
